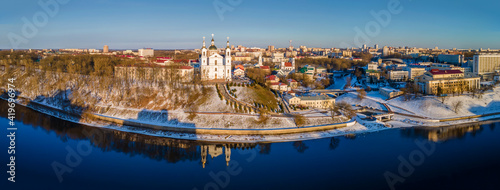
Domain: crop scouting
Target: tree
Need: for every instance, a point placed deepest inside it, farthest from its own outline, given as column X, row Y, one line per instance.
column 299, row 119
column 346, row 108
column 300, row 146
column 347, row 82
column 361, row 94
column 263, row 116
column 333, row 110
column 443, row 98
column 440, row 94
column 457, row 106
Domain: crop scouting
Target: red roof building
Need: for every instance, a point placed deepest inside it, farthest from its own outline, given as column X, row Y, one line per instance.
column 239, row 66
column 444, row 72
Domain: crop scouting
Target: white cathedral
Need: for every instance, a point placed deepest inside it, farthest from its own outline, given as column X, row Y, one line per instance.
column 214, row 66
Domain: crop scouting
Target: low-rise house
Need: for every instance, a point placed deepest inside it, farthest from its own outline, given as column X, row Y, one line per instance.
column 266, row 69
column 496, row 77
column 279, row 86
column 320, row 70
column 238, row 72
column 287, row 66
column 390, row 92
column 186, row 73
column 293, row 83
column 321, row 101
column 272, row 79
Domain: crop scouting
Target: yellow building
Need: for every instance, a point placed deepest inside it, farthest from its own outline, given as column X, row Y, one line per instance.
column 322, row 102
column 449, row 81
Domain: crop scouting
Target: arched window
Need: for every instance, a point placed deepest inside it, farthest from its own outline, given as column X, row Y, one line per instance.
column 216, row 68
column 215, row 62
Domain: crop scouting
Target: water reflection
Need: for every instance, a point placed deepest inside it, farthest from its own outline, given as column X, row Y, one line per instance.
column 446, row 133
column 132, row 144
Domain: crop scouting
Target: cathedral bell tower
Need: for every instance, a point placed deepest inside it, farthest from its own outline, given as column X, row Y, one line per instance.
column 203, row 53
column 228, row 60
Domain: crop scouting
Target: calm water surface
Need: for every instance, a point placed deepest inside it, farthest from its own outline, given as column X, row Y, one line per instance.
column 459, row 158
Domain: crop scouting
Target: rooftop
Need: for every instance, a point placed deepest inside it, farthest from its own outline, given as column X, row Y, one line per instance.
column 445, row 72
column 321, row 97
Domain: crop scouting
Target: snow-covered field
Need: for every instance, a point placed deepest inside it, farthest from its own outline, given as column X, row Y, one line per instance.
column 433, row 108
column 372, row 100
column 244, row 94
column 214, row 104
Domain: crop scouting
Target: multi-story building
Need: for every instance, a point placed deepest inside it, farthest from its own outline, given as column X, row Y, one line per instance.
column 486, row 65
column 415, row 72
column 372, row 76
column 270, row 48
column 155, row 72
column 450, row 58
column 398, row 75
column 278, row 57
column 214, row 66
column 148, row 52
column 105, row 49
column 449, row 81
column 373, row 66
column 340, row 53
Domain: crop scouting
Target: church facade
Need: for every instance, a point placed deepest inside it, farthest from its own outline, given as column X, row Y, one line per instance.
column 213, row 65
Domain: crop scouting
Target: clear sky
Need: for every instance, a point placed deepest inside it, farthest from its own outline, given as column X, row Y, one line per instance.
column 181, row 24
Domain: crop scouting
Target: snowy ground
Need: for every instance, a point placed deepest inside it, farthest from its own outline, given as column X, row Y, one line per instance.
column 339, row 83
column 433, row 108
column 372, row 100
column 214, row 104
column 244, row 94
column 430, row 106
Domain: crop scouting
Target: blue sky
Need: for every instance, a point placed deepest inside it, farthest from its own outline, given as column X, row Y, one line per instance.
column 181, row 24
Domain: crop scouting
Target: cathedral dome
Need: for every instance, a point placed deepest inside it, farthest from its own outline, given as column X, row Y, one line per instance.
column 212, row 47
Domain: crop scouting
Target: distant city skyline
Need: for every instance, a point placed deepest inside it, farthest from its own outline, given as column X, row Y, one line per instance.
column 159, row 24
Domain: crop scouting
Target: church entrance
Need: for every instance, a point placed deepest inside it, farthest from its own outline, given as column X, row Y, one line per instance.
column 216, row 76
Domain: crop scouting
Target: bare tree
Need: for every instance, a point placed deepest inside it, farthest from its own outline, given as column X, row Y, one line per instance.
column 347, row 82
column 457, row 106
column 361, row 94
column 443, row 98
column 300, row 120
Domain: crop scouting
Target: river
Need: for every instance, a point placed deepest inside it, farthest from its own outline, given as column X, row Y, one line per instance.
column 458, row 158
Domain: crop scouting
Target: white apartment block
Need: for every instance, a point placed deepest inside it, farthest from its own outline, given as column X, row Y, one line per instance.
column 148, row 52
column 486, row 64
column 414, row 72
column 398, row 75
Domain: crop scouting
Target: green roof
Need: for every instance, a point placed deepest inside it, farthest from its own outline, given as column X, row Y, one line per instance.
column 315, row 98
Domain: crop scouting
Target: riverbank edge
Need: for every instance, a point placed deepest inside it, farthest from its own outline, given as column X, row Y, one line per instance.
column 179, row 129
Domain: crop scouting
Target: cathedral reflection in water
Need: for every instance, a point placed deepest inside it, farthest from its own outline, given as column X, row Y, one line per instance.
column 214, row 151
